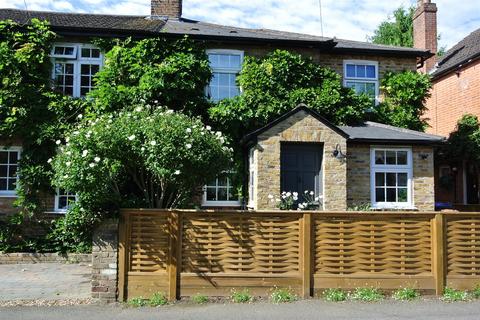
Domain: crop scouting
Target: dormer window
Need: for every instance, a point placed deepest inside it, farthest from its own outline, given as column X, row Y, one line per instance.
column 75, row 67
column 226, row 65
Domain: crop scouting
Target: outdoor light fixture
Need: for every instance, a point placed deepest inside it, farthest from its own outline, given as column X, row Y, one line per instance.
column 423, row 156
column 337, row 153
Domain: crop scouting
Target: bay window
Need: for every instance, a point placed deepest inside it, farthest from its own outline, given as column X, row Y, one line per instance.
column 391, row 177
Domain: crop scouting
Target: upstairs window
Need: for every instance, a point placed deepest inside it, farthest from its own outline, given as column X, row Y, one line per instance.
column 75, row 66
column 226, row 65
column 362, row 76
column 391, row 177
column 8, row 170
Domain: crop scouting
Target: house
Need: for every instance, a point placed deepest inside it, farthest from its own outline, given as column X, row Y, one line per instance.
column 455, row 92
column 372, row 148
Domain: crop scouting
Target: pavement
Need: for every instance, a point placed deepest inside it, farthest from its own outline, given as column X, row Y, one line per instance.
column 302, row 310
column 44, row 281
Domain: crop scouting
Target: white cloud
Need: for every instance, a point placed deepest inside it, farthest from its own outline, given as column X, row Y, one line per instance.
column 347, row 19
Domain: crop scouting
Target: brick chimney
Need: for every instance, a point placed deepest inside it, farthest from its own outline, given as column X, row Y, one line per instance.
column 425, row 30
column 171, row 9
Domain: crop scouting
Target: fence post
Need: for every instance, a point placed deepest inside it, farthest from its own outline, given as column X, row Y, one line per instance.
column 438, row 263
column 123, row 239
column 306, row 245
column 175, row 254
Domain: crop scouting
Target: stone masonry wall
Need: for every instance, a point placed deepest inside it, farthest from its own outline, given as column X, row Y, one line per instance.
column 300, row 127
column 27, row 258
column 105, row 262
column 358, row 176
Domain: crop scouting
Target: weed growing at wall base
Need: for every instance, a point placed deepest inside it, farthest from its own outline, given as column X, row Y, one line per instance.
column 335, row 295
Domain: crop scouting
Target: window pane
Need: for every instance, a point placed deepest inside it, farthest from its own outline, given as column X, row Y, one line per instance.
column 84, row 91
column 222, row 194
column 222, row 181
column 58, row 50
column 232, row 196
column 360, row 71
column 94, row 68
column 235, row 61
column 371, row 72
column 3, row 156
column 68, row 91
column 68, row 51
column 370, row 89
column 391, row 157
column 380, row 194
column 223, row 92
column 391, row 179
column 95, row 53
column 224, row 61
column 391, row 195
column 12, row 183
column 85, row 69
column 379, row 179
column 85, row 53
column 402, row 179
column 68, row 80
column 402, row 157
column 69, row 68
column 12, row 172
column 215, row 79
column 379, row 157
column 350, row 70
column 211, row 194
column 3, row 171
column 223, row 79
column 85, row 81
column 402, row 195
column 13, row 157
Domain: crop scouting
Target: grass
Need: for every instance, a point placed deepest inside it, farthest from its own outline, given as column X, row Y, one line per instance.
column 282, row 295
column 367, row 294
column 242, row 296
column 158, row 299
column 406, row 294
column 335, row 295
column 138, row 302
column 453, row 295
column 199, row 298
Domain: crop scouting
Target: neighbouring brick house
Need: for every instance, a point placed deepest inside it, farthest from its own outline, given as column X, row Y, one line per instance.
column 362, row 65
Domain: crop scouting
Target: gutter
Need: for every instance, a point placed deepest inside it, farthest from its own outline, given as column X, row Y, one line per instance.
column 459, row 65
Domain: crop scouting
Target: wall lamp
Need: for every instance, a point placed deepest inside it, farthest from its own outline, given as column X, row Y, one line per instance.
column 337, row 153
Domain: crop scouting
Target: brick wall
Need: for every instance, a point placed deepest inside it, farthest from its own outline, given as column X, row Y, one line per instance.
column 169, row 8
column 454, row 95
column 425, row 30
column 358, row 176
column 300, row 127
column 105, row 261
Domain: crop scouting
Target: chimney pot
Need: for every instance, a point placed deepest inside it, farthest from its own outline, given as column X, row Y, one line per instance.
column 171, row 9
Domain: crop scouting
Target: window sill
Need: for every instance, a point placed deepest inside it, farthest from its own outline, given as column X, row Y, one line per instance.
column 393, row 207
column 8, row 195
column 221, row 204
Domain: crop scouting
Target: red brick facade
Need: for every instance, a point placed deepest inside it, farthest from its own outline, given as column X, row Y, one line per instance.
column 425, row 30
column 453, row 95
column 168, row 8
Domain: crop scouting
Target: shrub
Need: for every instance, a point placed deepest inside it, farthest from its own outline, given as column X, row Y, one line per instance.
column 476, row 291
column 335, row 295
column 138, row 302
column 242, row 296
column 406, row 294
column 452, row 295
column 367, row 294
column 282, row 295
column 200, row 298
column 158, row 299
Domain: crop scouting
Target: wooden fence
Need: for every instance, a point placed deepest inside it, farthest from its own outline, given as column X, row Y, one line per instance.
column 189, row 252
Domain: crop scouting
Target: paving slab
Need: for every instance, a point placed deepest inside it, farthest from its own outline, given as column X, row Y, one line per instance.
column 45, row 281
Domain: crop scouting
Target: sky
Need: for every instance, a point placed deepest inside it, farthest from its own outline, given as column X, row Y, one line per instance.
column 345, row 19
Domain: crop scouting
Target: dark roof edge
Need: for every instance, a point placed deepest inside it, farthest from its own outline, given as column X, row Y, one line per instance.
column 436, row 75
column 420, row 53
column 301, row 107
column 396, row 142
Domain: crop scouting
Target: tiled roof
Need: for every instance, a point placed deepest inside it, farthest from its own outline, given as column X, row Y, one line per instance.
column 88, row 24
column 464, row 51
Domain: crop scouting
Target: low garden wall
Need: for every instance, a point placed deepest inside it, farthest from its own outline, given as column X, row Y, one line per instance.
column 25, row 258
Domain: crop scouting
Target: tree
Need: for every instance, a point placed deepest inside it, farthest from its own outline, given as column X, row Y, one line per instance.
column 464, row 143
column 398, row 32
column 403, row 105
column 279, row 82
column 154, row 159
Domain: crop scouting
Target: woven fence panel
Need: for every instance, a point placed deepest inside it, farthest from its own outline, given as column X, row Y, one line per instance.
column 366, row 246
column 149, row 242
column 241, row 243
column 463, row 246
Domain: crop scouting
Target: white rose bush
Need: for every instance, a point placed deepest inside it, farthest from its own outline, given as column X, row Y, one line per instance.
column 156, row 159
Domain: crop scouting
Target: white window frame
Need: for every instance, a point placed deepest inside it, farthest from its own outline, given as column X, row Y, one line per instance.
column 64, row 56
column 211, row 203
column 225, row 70
column 77, row 61
column 57, row 208
column 251, row 178
column 367, row 80
column 408, row 168
column 11, row 193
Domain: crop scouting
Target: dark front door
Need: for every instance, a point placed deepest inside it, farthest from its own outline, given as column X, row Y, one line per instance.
column 301, row 168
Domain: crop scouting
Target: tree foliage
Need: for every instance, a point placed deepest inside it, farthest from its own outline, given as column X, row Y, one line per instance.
column 403, row 105
column 397, row 31
column 157, row 157
column 153, row 71
column 464, row 143
column 279, row 82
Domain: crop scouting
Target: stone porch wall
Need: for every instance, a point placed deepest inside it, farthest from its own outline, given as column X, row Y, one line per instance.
column 300, row 127
column 358, row 176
